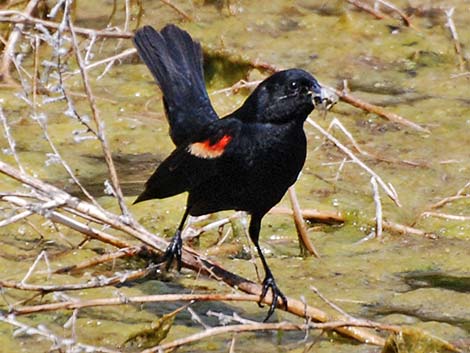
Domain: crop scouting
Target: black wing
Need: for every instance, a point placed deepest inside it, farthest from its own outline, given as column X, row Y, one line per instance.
column 194, row 163
column 175, row 61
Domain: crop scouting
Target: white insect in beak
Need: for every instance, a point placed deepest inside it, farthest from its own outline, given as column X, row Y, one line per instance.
column 326, row 99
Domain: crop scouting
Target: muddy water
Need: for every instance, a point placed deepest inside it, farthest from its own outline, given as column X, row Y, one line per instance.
column 404, row 279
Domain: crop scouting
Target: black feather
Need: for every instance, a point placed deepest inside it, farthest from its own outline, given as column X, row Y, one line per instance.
column 175, row 61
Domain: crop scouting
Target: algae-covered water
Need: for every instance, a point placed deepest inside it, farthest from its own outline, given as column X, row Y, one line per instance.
column 420, row 280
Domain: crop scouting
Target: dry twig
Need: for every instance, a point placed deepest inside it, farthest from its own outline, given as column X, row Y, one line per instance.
column 360, row 5
column 455, row 38
column 99, row 123
column 9, row 50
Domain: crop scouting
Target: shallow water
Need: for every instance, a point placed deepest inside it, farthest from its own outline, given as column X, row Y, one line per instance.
column 404, row 279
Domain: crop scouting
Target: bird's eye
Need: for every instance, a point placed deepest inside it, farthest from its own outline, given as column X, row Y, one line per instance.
column 293, row 85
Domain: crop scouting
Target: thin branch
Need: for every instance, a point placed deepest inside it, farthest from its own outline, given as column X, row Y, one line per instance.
column 95, row 282
column 124, row 252
column 10, row 139
column 99, row 124
column 393, row 227
column 281, row 326
column 178, row 10
column 111, row 59
column 19, row 17
column 157, row 298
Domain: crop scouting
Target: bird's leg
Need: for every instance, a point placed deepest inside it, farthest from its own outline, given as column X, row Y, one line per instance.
column 175, row 248
column 268, row 282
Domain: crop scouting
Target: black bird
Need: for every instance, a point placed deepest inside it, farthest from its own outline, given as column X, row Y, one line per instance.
column 245, row 161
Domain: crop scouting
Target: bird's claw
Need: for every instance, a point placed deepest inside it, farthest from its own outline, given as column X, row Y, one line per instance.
column 269, row 283
column 174, row 250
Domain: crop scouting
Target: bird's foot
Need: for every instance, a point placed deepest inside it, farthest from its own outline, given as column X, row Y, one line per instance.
column 174, row 250
column 270, row 283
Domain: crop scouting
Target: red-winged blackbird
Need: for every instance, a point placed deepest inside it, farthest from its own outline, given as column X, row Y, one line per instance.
column 245, row 161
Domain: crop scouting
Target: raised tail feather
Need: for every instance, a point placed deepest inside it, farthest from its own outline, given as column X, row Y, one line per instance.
column 175, row 61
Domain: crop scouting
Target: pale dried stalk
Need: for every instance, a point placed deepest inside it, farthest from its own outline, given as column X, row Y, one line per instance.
column 393, row 227
column 391, row 193
column 452, row 217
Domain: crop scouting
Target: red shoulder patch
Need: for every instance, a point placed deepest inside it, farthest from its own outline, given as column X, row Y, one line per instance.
column 206, row 149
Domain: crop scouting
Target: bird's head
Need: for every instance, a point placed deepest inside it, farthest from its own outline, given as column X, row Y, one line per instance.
column 288, row 95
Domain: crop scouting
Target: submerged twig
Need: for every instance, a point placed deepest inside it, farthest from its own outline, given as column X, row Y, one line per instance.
column 328, row 217
column 393, row 227
column 375, row 109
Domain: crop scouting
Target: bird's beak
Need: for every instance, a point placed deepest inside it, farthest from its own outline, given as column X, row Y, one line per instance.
column 325, row 98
